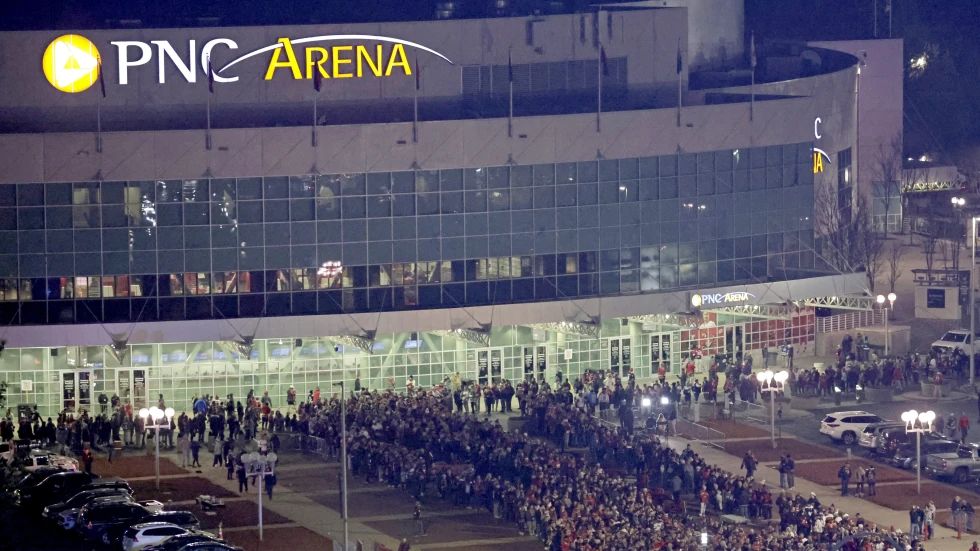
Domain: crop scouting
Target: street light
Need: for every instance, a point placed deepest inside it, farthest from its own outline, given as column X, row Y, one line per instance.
column 772, row 383
column 343, row 461
column 156, row 415
column 261, row 465
column 918, row 423
column 880, row 299
column 973, row 266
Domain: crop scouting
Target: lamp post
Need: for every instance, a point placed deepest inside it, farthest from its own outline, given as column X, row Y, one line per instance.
column 156, row 415
column 261, row 465
column 959, row 202
column 880, row 299
column 343, row 460
column 772, row 383
column 664, row 405
column 973, row 266
column 918, row 423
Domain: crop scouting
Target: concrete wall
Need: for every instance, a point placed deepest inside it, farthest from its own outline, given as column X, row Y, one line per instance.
column 880, row 103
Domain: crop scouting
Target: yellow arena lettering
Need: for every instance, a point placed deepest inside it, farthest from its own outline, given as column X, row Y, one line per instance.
column 290, row 62
column 318, row 62
column 398, row 59
column 338, row 61
column 363, row 56
column 817, row 163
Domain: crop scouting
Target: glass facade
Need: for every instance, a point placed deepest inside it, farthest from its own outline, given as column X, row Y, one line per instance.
column 88, row 252
column 74, row 377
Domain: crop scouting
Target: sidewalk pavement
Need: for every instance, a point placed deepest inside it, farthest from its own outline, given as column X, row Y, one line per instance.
column 945, row 539
column 302, row 511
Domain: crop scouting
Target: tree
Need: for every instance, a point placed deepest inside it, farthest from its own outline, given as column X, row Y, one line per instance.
column 929, row 250
column 849, row 241
column 887, row 169
column 894, row 259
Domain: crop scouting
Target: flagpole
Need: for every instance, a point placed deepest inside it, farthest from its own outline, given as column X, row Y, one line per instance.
column 415, row 106
column 680, row 67
column 752, row 63
column 598, row 111
column 874, row 5
column 207, row 135
column 510, row 95
column 313, row 131
column 98, row 124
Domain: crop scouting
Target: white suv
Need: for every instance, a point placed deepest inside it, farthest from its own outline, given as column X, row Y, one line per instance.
column 847, row 426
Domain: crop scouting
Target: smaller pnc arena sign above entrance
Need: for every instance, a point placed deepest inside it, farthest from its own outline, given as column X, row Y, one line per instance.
column 731, row 298
column 72, row 63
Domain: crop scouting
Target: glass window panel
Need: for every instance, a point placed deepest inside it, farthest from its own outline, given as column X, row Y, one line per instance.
column 476, row 201
column 499, row 199
column 403, row 182
column 706, row 163
column 451, row 180
column 195, row 191
column 544, row 175
column 544, row 197
column 520, row 176
column 351, row 184
column 565, row 173
column 378, row 183
column 404, row 205
column 451, row 203
column 588, row 194
column 608, row 170
column 57, row 194
column 379, row 206
column 8, row 195
column 475, row 179
column 299, row 186
column 498, row 177
column 520, row 199
column 354, row 207
column 427, row 180
column 627, row 191
column 428, row 203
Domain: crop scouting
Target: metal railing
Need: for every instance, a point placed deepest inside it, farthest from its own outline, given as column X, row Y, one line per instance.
column 700, row 433
column 850, row 320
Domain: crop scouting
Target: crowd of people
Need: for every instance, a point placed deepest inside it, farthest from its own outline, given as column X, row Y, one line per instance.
column 627, row 492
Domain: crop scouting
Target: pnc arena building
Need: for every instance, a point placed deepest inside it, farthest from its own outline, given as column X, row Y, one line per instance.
column 212, row 210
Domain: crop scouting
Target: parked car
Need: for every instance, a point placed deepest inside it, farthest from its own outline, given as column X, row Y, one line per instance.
column 872, row 433
column 68, row 518
column 145, row 534
column 36, row 459
column 53, row 488
column 95, row 520
column 184, row 519
column 960, row 466
column 35, row 477
column 954, row 339
column 905, row 456
column 210, row 546
column 891, row 439
column 178, row 543
column 845, row 426
column 79, row 500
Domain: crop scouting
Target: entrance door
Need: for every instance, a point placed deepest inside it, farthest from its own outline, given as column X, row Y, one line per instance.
column 489, row 366
column 620, row 355
column 131, row 388
column 535, row 362
column 660, row 350
column 76, row 390
column 734, row 343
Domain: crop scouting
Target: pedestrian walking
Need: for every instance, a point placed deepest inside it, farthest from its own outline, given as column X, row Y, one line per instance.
column 782, row 472
column 930, row 519
column 749, row 463
column 844, row 475
column 790, row 471
column 404, row 545
column 419, row 523
column 916, row 516
column 218, row 455
column 242, row 477
column 195, row 453
column 872, row 481
column 861, row 479
column 87, row 458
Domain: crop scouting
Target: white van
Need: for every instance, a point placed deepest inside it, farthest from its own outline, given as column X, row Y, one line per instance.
column 954, row 339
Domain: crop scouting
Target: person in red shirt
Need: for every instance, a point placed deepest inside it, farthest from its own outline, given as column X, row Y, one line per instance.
column 703, row 497
column 964, row 427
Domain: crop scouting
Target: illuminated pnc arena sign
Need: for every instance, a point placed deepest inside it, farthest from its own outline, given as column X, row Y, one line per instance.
column 71, row 63
column 720, row 299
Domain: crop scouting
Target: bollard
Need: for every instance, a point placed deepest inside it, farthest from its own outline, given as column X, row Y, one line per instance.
column 221, row 531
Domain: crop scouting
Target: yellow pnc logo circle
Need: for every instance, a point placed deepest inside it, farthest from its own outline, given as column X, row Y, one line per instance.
column 71, row 63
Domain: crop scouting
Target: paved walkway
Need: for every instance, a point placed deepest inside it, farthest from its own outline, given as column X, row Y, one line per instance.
column 945, row 540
